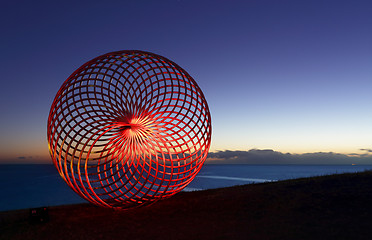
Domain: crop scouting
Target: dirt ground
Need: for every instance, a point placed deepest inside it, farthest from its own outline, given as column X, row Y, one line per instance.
column 328, row 207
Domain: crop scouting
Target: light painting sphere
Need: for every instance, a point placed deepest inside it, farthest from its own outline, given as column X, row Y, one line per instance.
column 129, row 128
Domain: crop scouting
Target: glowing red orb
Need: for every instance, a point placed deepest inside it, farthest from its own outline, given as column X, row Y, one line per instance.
column 129, row 128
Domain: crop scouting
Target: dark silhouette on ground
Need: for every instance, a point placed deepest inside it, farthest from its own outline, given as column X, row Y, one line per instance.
column 326, row 207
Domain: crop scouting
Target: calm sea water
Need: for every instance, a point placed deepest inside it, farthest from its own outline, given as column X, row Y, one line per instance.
column 28, row 186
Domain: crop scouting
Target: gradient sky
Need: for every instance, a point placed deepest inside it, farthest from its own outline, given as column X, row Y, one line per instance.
column 293, row 76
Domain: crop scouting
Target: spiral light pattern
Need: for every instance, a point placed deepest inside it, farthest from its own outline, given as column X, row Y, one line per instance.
column 129, row 128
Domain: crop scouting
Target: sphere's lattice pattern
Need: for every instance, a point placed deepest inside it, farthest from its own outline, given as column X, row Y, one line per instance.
column 128, row 128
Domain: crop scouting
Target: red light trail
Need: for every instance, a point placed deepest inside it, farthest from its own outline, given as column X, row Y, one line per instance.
column 129, row 128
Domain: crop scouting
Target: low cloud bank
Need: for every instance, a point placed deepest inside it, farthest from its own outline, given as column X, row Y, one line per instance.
column 268, row 156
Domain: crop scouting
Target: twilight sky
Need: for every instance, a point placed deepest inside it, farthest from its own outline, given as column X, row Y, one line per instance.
column 292, row 76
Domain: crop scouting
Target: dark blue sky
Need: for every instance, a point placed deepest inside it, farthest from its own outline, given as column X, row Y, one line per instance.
column 293, row 76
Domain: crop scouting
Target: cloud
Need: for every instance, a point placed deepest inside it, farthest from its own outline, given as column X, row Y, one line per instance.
column 268, row 156
column 22, row 157
column 366, row 149
column 253, row 156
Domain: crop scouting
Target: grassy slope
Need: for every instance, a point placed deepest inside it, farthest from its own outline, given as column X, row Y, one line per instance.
column 329, row 207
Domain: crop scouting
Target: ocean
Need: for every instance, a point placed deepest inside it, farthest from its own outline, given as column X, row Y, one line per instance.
column 29, row 186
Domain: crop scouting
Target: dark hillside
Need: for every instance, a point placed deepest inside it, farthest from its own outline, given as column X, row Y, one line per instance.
column 328, row 207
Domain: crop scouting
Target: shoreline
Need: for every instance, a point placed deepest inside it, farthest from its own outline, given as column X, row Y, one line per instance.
column 324, row 207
